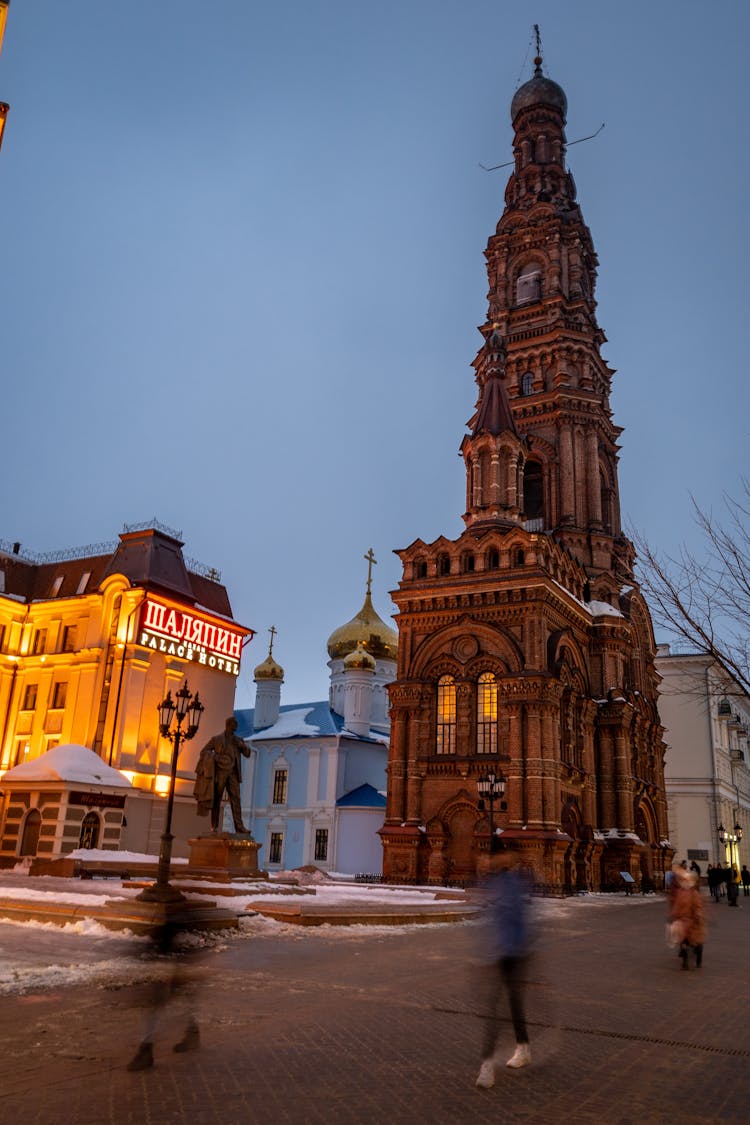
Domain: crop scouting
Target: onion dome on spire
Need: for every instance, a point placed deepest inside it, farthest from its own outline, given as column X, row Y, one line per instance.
column 539, row 90
column 365, row 628
column 269, row 669
column 359, row 659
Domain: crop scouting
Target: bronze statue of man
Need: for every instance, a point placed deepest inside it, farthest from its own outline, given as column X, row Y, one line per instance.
column 219, row 770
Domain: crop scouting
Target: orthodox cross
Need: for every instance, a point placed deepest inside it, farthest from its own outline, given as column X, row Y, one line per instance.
column 370, row 558
column 273, row 632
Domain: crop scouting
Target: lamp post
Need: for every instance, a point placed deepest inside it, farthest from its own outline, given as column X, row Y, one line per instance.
column 185, row 707
column 732, row 839
column 491, row 787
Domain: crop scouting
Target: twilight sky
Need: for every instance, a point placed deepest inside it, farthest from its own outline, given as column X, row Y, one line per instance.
column 243, row 269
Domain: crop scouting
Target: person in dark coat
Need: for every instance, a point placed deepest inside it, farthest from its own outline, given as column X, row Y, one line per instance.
column 745, row 879
column 733, row 890
column 507, row 948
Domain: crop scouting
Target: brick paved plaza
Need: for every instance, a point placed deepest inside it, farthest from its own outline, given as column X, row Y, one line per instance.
column 349, row 1025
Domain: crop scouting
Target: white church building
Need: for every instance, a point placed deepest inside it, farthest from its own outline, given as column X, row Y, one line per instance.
column 313, row 791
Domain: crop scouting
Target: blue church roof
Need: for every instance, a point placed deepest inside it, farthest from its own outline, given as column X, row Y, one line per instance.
column 364, row 796
column 297, row 720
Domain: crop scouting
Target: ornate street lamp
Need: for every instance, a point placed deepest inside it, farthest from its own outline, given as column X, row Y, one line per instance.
column 491, row 787
column 187, row 708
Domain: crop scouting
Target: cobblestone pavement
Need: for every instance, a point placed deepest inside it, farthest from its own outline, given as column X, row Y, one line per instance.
column 384, row 1026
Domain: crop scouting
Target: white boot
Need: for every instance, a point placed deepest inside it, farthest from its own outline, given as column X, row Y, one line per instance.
column 521, row 1056
column 486, row 1076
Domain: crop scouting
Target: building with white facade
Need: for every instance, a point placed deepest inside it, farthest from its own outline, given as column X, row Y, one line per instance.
column 706, row 717
column 314, row 789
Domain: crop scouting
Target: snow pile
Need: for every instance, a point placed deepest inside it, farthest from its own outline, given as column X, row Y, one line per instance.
column 69, row 763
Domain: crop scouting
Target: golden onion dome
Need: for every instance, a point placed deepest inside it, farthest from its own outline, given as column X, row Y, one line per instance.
column 269, row 670
column 366, row 629
column 359, row 659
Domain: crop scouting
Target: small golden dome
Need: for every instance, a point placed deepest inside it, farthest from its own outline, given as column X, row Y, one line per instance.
column 360, row 658
column 367, row 629
column 269, row 669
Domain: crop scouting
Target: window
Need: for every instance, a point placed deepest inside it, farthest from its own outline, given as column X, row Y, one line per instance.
column 29, row 697
column 274, row 851
column 89, row 837
column 467, row 564
column 2, row 638
column 59, row 693
column 84, row 581
column 56, row 586
column 279, row 787
column 40, row 642
column 529, row 284
column 487, row 714
column 527, row 383
column 446, row 715
column 321, row 843
column 444, row 564
column 420, row 569
column 68, row 642
column 533, row 506
column 493, row 560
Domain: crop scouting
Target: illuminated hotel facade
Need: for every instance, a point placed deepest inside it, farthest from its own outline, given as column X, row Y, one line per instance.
column 90, row 643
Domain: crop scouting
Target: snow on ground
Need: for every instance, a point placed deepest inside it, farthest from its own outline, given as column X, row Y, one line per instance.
column 94, row 855
column 36, row 956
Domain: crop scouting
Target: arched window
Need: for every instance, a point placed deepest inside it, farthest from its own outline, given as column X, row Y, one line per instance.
column 444, row 564
column 446, row 715
column 493, row 559
column 31, row 829
column 487, row 714
column 533, row 493
column 529, row 284
column 90, row 825
column 519, row 557
column 467, row 563
column 420, row 569
column 527, row 383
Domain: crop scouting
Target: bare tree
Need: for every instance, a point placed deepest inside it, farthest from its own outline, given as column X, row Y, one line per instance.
column 705, row 600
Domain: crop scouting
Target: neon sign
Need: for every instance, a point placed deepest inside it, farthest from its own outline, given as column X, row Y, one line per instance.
column 189, row 636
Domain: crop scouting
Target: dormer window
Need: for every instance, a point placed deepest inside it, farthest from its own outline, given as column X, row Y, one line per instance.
column 529, row 284
column 56, row 585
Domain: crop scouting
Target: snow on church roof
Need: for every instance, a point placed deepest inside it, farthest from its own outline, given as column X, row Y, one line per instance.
column 68, row 763
column 306, row 720
column 290, row 724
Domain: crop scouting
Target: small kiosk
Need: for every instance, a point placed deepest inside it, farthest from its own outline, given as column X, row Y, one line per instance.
column 67, row 798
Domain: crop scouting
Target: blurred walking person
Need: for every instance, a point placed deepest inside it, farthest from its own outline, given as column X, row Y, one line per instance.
column 173, row 984
column 688, row 918
column 507, row 947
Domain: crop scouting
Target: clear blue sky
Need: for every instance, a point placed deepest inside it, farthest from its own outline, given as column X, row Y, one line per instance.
column 242, row 273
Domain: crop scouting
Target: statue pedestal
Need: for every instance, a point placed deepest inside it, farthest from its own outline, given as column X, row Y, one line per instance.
column 224, row 856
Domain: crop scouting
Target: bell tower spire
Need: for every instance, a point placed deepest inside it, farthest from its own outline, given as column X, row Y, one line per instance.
column 541, row 267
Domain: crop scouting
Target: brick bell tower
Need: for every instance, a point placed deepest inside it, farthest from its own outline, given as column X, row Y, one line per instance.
column 525, row 646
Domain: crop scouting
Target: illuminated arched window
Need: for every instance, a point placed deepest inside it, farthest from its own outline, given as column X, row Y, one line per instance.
column 487, row 714
column 89, row 835
column 446, row 715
